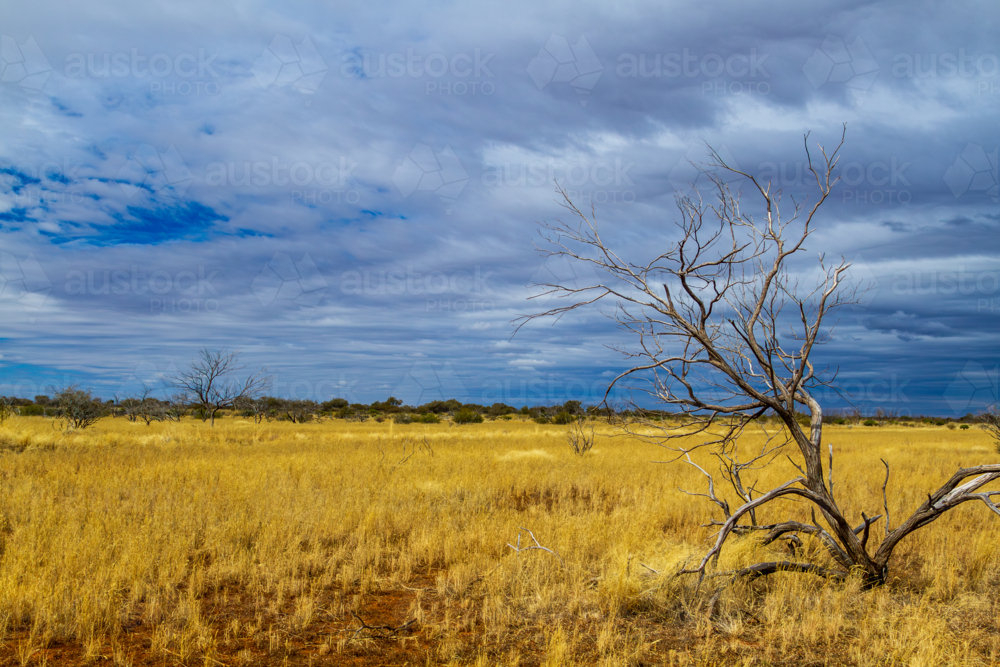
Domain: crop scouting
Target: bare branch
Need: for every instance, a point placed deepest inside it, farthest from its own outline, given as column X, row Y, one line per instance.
column 723, row 333
column 885, row 499
column 209, row 382
column 518, row 549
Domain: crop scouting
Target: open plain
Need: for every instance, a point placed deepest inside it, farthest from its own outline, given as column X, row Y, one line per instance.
column 346, row 543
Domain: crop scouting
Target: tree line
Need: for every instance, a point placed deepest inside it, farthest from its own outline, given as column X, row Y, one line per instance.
column 216, row 383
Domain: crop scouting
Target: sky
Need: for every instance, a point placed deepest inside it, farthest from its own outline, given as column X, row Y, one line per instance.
column 349, row 194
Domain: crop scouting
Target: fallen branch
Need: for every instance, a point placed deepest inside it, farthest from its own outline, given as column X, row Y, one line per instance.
column 518, row 548
column 386, row 631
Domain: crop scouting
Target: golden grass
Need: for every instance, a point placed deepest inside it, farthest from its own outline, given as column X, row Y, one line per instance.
column 257, row 544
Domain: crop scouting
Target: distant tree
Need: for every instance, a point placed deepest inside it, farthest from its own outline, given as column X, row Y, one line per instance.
column 333, row 405
column 298, row 411
column 78, row 407
column 389, row 405
column 499, row 410
column 883, row 416
column 260, row 408
column 467, row 416
column 173, row 408
column 210, row 385
column 440, row 407
column 131, row 406
column 563, row 418
column 143, row 407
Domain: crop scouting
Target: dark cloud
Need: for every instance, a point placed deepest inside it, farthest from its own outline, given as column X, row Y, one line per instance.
column 349, row 194
column 897, row 226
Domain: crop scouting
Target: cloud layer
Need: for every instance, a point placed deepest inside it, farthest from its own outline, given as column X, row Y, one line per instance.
column 349, row 194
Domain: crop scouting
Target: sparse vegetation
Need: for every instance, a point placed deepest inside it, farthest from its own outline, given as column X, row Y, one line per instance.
column 339, row 542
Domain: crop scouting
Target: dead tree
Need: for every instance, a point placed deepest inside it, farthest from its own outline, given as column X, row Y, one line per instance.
column 140, row 406
column 722, row 330
column 254, row 408
column 580, row 438
column 210, row 385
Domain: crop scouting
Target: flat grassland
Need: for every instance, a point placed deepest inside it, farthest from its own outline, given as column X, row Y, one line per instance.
column 340, row 543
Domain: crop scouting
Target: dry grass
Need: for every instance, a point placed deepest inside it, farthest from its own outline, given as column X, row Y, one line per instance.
column 177, row 544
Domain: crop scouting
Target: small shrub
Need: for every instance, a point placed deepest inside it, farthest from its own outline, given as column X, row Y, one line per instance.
column 505, row 418
column 964, row 427
column 580, row 440
column 7, row 409
column 78, row 407
column 428, row 418
column 541, row 419
column 403, row 418
column 871, row 422
column 951, row 427
column 468, row 416
column 563, row 418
